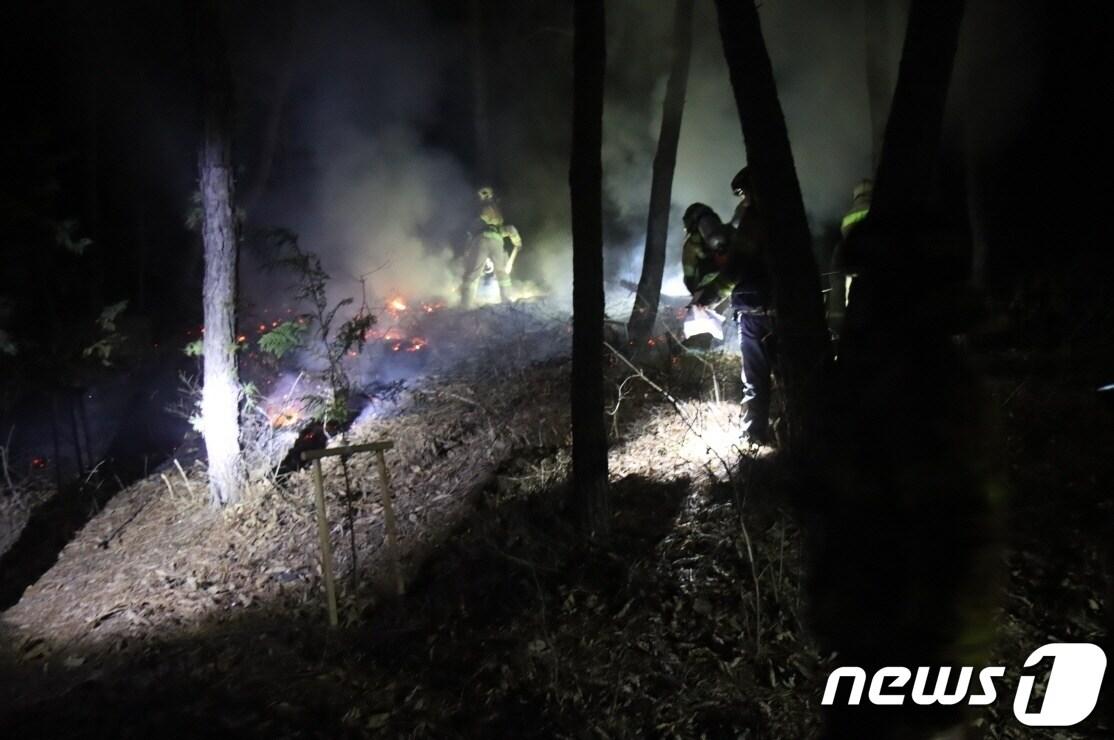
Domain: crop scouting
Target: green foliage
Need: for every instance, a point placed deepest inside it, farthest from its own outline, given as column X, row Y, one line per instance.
column 283, row 339
column 195, row 348
column 328, row 342
column 110, row 338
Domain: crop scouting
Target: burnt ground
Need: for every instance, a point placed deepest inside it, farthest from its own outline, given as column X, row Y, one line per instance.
column 691, row 623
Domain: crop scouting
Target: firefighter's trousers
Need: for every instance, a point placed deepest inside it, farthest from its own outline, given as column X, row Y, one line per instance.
column 481, row 249
column 756, row 343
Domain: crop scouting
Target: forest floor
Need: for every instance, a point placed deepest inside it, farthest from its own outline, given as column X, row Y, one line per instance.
column 165, row 617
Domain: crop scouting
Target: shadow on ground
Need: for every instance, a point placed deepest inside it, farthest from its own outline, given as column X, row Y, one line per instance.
column 441, row 661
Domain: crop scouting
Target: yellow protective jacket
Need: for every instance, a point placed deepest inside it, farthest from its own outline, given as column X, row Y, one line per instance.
column 707, row 272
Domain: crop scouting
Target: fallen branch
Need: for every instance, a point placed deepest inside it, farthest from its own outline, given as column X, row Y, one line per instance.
column 641, row 375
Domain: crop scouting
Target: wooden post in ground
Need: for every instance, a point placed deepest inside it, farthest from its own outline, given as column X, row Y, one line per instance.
column 389, row 522
column 323, row 540
column 379, row 448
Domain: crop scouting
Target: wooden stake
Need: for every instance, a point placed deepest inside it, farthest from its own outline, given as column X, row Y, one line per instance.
column 389, row 520
column 326, row 549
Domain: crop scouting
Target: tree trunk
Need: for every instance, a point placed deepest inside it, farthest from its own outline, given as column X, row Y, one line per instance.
column 645, row 310
column 220, row 390
column 589, row 431
column 480, row 120
column 910, row 434
column 802, row 334
column 879, row 71
column 273, row 127
column 911, row 145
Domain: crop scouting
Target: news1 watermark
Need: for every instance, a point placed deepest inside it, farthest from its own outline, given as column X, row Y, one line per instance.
column 1074, row 679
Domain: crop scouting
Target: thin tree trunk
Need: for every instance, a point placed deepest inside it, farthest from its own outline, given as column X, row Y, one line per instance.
column 219, row 398
column 75, row 434
column 802, row 334
column 645, row 310
column 270, row 138
column 589, row 431
column 879, row 79
column 54, row 441
column 480, row 121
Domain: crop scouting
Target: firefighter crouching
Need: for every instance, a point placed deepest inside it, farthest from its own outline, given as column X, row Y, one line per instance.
column 485, row 248
column 722, row 262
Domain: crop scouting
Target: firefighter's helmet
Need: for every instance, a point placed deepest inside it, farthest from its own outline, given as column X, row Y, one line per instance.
column 693, row 216
column 486, row 194
column 740, row 183
column 862, row 193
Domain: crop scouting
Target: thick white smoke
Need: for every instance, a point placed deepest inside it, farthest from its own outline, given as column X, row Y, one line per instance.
column 369, row 188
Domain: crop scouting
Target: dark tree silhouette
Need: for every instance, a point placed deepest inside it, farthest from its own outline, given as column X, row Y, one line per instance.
column 589, row 431
column 802, row 333
column 880, row 18
column 480, row 119
column 910, row 147
column 220, row 389
column 911, row 435
column 645, row 310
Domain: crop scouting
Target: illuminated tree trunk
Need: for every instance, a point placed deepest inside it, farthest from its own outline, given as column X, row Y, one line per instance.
column 219, row 397
column 802, row 333
column 589, row 431
column 645, row 309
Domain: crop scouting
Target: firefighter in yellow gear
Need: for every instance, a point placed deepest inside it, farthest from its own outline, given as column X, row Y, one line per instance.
column 486, row 249
column 706, row 257
column 860, row 208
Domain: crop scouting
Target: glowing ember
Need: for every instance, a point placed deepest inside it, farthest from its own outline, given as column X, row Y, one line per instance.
column 416, row 344
column 285, row 417
column 397, row 304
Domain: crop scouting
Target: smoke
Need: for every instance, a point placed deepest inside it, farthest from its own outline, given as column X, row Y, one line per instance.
column 822, row 92
column 375, row 203
column 362, row 187
column 378, row 172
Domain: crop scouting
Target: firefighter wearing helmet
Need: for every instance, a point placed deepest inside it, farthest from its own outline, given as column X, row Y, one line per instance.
column 722, row 261
column 485, row 251
column 860, row 208
column 705, row 256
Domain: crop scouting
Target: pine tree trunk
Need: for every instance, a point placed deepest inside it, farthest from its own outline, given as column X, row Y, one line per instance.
column 589, row 431
column 645, row 310
column 802, row 334
column 219, row 398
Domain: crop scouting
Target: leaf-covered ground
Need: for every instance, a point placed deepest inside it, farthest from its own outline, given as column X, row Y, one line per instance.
column 166, row 618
